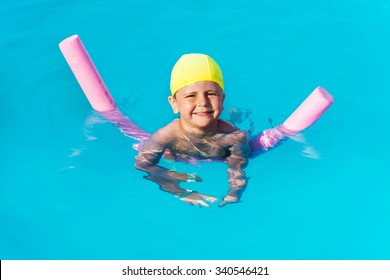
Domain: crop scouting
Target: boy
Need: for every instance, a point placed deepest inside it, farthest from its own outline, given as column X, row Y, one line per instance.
column 197, row 95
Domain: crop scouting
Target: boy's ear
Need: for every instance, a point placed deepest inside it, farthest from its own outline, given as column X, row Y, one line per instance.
column 173, row 102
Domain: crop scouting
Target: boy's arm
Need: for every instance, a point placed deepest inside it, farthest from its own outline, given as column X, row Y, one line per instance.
column 149, row 157
column 237, row 161
column 168, row 180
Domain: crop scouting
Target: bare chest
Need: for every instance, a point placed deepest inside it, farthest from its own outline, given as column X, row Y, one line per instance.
column 211, row 147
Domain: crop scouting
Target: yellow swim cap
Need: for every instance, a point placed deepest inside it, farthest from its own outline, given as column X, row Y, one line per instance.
column 192, row 68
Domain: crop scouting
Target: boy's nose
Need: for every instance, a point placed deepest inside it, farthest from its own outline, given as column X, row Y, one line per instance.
column 202, row 100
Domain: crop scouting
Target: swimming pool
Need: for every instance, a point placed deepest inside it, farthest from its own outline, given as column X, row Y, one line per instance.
column 68, row 188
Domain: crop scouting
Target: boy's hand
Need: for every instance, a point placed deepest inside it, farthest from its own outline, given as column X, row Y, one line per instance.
column 198, row 199
column 228, row 200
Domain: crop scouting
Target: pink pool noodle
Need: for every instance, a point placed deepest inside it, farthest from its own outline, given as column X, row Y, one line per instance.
column 309, row 111
column 304, row 116
column 95, row 90
column 86, row 74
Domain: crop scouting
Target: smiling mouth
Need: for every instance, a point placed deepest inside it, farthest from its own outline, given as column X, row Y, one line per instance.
column 204, row 114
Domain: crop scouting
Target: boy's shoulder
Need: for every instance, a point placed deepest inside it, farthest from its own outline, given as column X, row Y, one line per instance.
column 167, row 133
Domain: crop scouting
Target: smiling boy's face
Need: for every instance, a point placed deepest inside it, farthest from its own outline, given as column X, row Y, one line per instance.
column 200, row 105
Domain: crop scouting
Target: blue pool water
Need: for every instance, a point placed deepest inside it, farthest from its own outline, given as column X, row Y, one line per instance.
column 68, row 189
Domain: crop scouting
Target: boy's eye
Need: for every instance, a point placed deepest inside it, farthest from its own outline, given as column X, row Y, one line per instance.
column 189, row 96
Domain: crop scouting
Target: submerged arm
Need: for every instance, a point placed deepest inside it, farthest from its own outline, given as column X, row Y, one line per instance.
column 237, row 161
column 168, row 180
column 148, row 159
